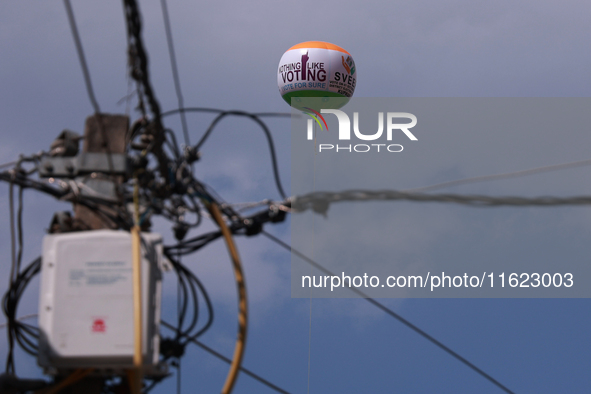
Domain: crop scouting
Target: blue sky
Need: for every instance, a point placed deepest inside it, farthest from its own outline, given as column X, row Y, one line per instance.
column 227, row 53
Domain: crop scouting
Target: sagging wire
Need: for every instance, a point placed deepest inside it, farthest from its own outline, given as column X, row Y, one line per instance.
column 393, row 314
column 255, row 117
column 229, row 361
column 175, row 71
column 267, row 134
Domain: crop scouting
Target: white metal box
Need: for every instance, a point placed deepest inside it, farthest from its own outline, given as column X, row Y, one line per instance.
column 86, row 300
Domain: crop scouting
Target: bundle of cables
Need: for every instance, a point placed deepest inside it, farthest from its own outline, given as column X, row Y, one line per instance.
column 187, row 327
column 26, row 336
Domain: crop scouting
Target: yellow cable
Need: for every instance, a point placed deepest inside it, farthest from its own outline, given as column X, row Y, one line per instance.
column 136, row 381
column 242, row 301
column 71, row 379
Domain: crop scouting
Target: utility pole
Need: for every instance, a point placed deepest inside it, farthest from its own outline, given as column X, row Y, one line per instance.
column 106, row 135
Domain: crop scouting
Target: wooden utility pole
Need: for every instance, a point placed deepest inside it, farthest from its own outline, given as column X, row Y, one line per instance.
column 107, row 134
column 103, row 133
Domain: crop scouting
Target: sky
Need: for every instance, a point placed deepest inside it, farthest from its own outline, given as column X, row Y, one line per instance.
column 227, row 55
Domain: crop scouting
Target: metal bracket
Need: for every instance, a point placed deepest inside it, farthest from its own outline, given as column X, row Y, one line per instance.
column 84, row 163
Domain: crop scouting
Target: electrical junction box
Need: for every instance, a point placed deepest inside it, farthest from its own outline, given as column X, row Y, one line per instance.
column 86, row 301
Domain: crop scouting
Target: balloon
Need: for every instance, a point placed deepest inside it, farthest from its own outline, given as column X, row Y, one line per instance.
column 317, row 69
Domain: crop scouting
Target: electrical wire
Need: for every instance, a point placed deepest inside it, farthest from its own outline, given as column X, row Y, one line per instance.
column 229, row 361
column 496, row 177
column 138, row 69
column 25, row 317
column 242, row 300
column 255, row 117
column 99, row 205
column 9, row 164
column 320, row 201
column 10, row 356
column 267, row 134
column 189, row 289
column 19, row 228
column 81, row 56
column 392, row 314
column 193, row 244
column 24, row 334
column 139, row 58
column 175, row 71
column 218, row 111
column 89, row 88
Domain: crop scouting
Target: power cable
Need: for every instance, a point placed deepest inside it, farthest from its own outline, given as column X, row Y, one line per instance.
column 175, row 71
column 138, row 69
column 229, row 361
column 507, row 175
column 89, row 88
column 10, row 356
column 19, row 230
column 218, row 111
column 392, row 314
column 25, row 317
column 81, row 56
column 242, row 299
column 139, row 58
column 275, row 114
column 320, row 201
column 9, row 164
column 25, row 335
column 255, row 118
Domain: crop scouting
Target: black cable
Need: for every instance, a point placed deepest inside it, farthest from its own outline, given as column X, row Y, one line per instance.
column 192, row 109
column 393, row 314
column 184, row 301
column 219, row 111
column 89, row 88
column 253, row 116
column 192, row 245
column 227, row 360
column 174, row 144
column 192, row 280
column 175, row 71
column 23, row 331
column 138, row 68
column 12, row 233
column 25, row 335
column 93, row 203
column 81, row 57
column 29, row 183
column 194, row 299
column 208, row 305
column 139, row 58
column 273, row 114
column 19, row 229
column 267, row 134
column 9, row 164
column 10, row 355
